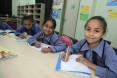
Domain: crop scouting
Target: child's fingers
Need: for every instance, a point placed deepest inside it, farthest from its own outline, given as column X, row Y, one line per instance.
column 63, row 56
column 22, row 35
column 79, row 59
column 45, row 50
column 37, row 44
column 42, row 50
column 66, row 58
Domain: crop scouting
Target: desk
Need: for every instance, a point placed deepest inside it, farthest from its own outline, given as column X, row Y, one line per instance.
column 30, row 63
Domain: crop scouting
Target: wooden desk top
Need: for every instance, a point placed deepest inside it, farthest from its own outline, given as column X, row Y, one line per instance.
column 30, row 63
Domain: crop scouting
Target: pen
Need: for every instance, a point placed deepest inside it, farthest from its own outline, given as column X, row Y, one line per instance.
column 66, row 54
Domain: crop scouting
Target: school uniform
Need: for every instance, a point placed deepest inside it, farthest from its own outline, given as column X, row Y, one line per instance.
column 52, row 39
column 32, row 31
column 4, row 26
column 105, row 57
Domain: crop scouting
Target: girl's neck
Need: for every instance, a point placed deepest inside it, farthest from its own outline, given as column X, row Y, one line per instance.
column 45, row 36
column 93, row 45
column 48, row 34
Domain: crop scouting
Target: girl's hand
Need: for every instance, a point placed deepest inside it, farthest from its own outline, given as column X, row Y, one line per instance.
column 22, row 35
column 37, row 44
column 86, row 62
column 65, row 56
column 46, row 50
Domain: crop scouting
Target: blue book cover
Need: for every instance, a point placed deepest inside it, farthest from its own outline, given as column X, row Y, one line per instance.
column 58, row 67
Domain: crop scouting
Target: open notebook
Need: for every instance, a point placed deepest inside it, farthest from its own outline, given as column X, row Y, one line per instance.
column 5, row 53
column 72, row 66
column 42, row 46
column 20, row 39
column 2, row 32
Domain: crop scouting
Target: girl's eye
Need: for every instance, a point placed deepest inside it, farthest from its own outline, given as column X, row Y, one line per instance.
column 97, row 31
column 51, row 27
column 87, row 29
column 46, row 25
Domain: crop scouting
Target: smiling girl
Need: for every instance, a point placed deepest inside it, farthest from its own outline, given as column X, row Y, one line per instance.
column 47, row 36
column 98, row 54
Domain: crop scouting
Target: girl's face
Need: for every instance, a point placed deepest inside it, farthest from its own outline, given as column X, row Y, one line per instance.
column 48, row 28
column 93, row 31
column 27, row 23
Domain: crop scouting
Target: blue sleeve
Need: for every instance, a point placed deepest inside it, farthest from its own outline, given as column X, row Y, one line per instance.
column 6, row 26
column 33, row 39
column 76, row 47
column 37, row 29
column 20, row 30
column 110, row 71
column 58, row 44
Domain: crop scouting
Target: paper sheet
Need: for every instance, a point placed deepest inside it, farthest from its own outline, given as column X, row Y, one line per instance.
column 42, row 46
column 20, row 39
column 74, row 66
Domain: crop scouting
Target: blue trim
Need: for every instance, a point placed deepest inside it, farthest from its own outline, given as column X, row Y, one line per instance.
column 58, row 64
column 80, row 72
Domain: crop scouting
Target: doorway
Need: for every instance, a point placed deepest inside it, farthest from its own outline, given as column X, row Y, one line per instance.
column 70, row 17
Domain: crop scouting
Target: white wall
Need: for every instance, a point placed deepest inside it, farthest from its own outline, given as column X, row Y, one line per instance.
column 71, row 12
column 80, row 24
column 24, row 2
column 16, row 3
column 112, row 23
column 100, row 9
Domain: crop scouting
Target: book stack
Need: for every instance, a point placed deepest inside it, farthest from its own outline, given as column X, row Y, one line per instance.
column 5, row 53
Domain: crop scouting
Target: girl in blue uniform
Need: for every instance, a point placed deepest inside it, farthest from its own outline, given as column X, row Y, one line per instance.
column 28, row 27
column 4, row 26
column 47, row 36
column 98, row 54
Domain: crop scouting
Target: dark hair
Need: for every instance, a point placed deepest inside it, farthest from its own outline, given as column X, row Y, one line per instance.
column 50, row 19
column 101, row 19
column 28, row 17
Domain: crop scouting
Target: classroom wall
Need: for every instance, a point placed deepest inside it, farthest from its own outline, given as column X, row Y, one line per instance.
column 80, row 23
column 112, row 22
column 16, row 3
column 102, row 10
column 56, row 7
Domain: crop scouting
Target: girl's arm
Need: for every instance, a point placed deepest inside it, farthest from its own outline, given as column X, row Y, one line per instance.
column 20, row 30
column 57, row 44
column 33, row 39
column 110, row 69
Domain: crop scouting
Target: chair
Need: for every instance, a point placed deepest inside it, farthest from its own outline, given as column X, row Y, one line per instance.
column 56, row 32
column 73, row 39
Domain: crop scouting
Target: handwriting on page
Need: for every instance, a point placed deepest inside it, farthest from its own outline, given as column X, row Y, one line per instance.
column 72, row 65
